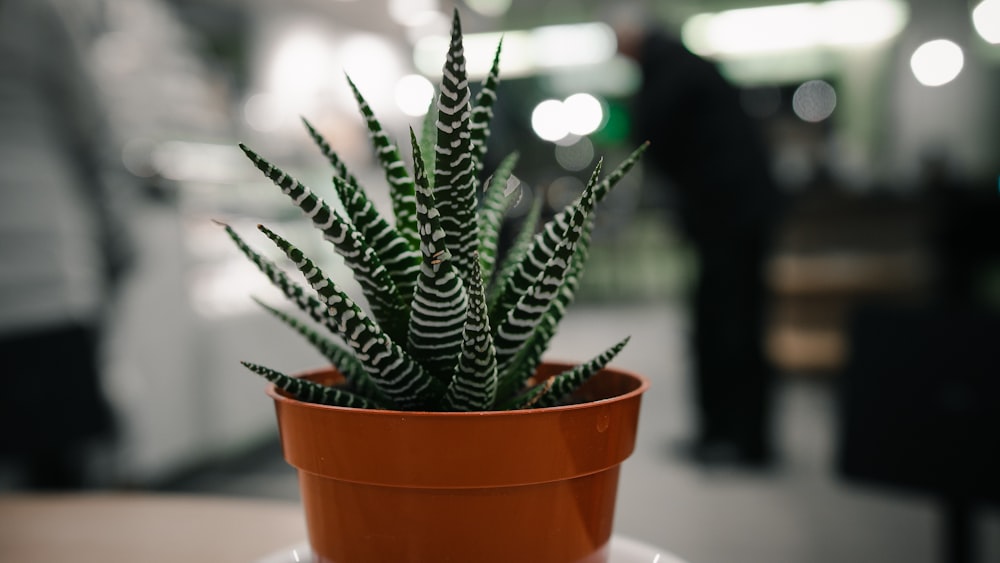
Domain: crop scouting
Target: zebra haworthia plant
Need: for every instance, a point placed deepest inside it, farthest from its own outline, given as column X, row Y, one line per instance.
column 449, row 328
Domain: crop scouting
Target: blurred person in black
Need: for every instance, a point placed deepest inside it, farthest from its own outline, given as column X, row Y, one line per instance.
column 711, row 153
column 61, row 248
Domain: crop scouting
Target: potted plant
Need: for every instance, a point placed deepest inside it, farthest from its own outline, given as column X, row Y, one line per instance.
column 440, row 434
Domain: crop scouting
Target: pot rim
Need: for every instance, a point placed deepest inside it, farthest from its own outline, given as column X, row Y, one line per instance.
column 643, row 385
column 449, row 450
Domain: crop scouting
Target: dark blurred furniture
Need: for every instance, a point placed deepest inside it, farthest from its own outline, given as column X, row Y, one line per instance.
column 835, row 250
column 920, row 409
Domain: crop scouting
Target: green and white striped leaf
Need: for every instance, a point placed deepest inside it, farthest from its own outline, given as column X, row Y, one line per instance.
column 514, row 330
column 475, row 383
column 345, row 362
column 315, row 308
column 400, row 182
column 372, row 276
column 528, row 357
column 438, row 312
column 523, row 365
column 524, row 400
column 482, row 111
column 455, row 167
column 293, row 291
column 312, row 392
column 463, row 351
column 538, row 254
column 604, row 187
column 565, row 383
column 339, row 167
column 515, row 254
column 393, row 249
column 396, row 374
column 496, row 202
column 545, row 241
column 399, row 259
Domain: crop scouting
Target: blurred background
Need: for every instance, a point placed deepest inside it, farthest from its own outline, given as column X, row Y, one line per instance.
column 882, row 283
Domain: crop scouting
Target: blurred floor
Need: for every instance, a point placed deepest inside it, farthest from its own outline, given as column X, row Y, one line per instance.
column 799, row 511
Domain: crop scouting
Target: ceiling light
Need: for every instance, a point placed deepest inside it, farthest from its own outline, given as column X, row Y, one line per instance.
column 794, row 27
column 524, row 52
column 492, row 8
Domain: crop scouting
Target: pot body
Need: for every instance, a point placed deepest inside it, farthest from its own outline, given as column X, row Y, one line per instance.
column 531, row 485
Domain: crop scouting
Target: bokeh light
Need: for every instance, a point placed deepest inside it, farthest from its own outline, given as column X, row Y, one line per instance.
column 986, row 19
column 937, row 62
column 295, row 72
column 414, row 13
column 414, row 94
column 575, row 156
column 814, row 101
column 372, row 63
column 584, row 112
column 548, row 120
column 263, row 112
column 578, row 115
column 137, row 156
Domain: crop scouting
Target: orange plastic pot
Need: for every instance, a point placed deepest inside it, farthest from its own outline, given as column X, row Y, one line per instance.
column 532, row 485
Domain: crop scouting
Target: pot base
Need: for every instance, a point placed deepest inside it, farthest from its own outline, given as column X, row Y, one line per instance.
column 565, row 521
column 532, row 485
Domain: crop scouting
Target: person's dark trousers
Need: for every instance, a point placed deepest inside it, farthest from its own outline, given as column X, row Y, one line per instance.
column 52, row 404
column 732, row 376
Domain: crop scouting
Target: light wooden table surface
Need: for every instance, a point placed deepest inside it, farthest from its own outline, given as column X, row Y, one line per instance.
column 146, row 528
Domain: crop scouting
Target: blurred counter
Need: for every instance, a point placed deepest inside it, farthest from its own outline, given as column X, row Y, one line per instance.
column 112, row 528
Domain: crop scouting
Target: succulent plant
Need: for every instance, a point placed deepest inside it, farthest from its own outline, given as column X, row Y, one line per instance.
column 450, row 327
